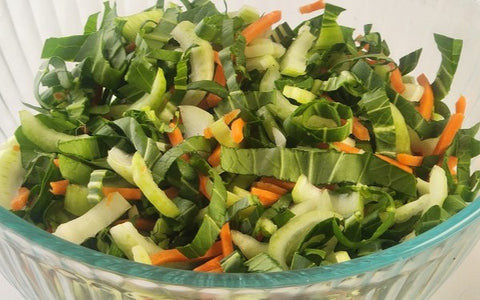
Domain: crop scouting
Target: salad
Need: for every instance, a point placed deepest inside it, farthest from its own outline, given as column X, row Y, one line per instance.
column 189, row 137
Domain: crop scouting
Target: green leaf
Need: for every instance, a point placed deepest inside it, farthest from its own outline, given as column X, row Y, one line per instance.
column 450, row 49
column 194, row 144
column 409, row 62
column 319, row 121
column 376, row 105
column 431, row 218
column 336, row 167
column 208, row 86
column 63, row 47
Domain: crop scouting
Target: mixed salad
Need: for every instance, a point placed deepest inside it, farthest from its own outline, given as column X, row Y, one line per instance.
column 189, row 137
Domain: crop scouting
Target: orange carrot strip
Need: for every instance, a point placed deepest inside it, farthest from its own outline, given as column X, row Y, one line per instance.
column 288, row 185
column 216, row 58
column 449, row 132
column 396, row 80
column 461, row 105
column 20, row 200
column 207, row 133
column 212, row 100
column 59, row 187
column 311, row 7
column 359, row 130
column 261, row 25
column 452, row 163
column 229, row 117
column 202, row 185
column 345, row 147
column 425, row 107
column 174, row 255
column 395, row 163
column 209, row 265
column 270, row 187
column 226, row 239
column 267, row 198
column 410, row 160
column 214, row 158
column 127, row 193
column 237, row 130
column 56, row 162
column 175, row 137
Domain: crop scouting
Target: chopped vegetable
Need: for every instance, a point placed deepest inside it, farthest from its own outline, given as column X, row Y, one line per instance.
column 193, row 138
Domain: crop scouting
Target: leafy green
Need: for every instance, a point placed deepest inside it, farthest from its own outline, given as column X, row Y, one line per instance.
column 289, row 163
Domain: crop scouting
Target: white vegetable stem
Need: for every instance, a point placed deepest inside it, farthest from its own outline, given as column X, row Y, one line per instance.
column 97, row 218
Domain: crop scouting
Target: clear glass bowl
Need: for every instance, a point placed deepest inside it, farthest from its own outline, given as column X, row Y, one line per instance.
column 42, row 266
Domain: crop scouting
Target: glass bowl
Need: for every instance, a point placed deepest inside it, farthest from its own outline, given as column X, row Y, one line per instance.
column 42, row 266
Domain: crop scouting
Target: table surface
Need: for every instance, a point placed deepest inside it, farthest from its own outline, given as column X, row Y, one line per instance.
column 463, row 284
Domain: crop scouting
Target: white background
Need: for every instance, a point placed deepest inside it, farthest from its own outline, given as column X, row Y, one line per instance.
column 463, row 284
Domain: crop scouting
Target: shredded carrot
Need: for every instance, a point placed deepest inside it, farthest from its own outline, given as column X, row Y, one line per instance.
column 209, row 265
column 311, row 7
column 207, row 133
column 216, row 58
column 226, row 239
column 127, row 193
column 174, row 255
column 237, row 130
column 461, row 105
column 359, row 130
column 212, row 100
column 396, row 80
column 343, row 147
column 395, row 163
column 214, row 158
column 59, row 187
column 449, row 132
column 410, row 160
column 216, row 270
column 202, row 185
column 452, row 163
column 175, row 137
column 56, row 162
column 229, row 117
column 21, row 199
column 425, row 107
column 267, row 198
column 270, row 187
column 261, row 25
column 288, row 185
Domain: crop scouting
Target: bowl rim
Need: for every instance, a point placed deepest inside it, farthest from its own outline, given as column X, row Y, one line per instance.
column 161, row 275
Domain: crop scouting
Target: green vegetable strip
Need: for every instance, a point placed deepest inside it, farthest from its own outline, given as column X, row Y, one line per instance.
column 450, row 50
column 319, row 121
column 95, row 186
column 330, row 32
column 409, row 62
column 193, row 144
column 425, row 129
column 337, row 167
column 215, row 216
column 377, row 106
